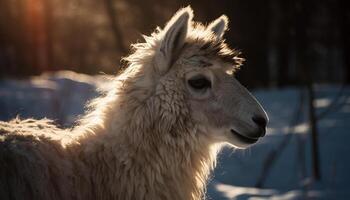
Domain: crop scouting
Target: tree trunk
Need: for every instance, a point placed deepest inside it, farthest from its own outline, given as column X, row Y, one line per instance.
column 119, row 39
column 49, row 31
column 302, row 13
column 345, row 32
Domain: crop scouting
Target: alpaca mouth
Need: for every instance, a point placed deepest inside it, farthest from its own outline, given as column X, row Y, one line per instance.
column 243, row 138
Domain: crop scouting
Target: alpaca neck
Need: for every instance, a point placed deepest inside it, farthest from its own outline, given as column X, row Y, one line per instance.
column 163, row 171
column 162, row 165
column 141, row 154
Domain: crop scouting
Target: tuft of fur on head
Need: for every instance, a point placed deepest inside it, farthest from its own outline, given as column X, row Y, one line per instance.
column 208, row 39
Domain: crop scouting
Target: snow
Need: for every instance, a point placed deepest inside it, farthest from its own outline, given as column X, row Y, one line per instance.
column 61, row 96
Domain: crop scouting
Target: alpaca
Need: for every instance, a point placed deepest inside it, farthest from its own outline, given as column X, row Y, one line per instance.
column 154, row 135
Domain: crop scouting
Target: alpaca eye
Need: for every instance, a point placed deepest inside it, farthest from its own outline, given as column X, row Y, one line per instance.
column 199, row 83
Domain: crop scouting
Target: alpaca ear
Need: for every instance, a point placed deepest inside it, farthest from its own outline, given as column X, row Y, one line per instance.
column 173, row 39
column 219, row 26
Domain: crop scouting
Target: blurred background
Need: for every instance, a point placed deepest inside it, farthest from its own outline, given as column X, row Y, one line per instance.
column 55, row 53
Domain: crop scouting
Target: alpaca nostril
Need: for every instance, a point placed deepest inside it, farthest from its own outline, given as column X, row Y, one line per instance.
column 260, row 121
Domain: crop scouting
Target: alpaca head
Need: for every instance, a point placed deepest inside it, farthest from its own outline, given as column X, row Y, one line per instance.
column 191, row 70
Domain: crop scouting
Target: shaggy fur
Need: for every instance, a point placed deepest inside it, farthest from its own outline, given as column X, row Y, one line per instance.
column 139, row 140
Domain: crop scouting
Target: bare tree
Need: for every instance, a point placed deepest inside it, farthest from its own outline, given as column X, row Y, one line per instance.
column 345, row 32
column 112, row 15
column 302, row 13
column 49, row 26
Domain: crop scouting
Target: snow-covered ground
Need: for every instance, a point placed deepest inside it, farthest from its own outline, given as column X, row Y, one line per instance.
column 61, row 96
